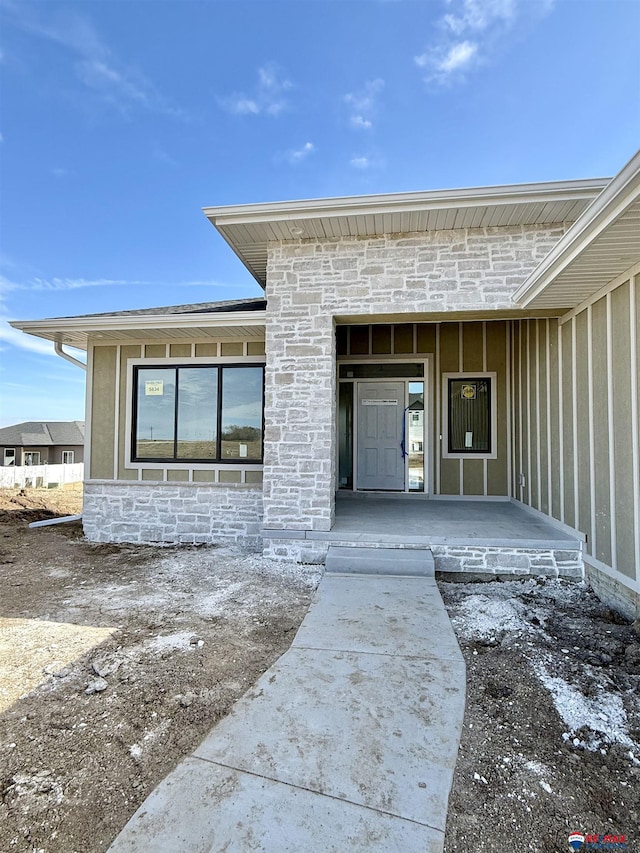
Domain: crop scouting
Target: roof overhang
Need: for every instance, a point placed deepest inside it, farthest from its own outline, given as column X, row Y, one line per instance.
column 248, row 229
column 78, row 331
column 599, row 247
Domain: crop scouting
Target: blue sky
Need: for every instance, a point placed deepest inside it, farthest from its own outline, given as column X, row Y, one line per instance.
column 121, row 119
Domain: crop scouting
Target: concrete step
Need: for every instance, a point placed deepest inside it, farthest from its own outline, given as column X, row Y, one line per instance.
column 406, row 562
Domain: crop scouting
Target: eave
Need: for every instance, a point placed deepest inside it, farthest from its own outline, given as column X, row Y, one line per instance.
column 248, row 229
column 600, row 246
column 78, row 331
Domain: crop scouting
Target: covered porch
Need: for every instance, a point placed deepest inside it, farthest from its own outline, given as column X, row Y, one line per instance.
column 471, row 536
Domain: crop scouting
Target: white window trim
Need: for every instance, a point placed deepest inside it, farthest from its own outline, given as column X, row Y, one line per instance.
column 65, row 454
column 171, row 465
column 470, row 374
column 13, row 458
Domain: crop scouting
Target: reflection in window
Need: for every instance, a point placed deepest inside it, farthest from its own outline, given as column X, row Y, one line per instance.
column 199, row 414
column 242, row 413
column 155, row 428
column 416, row 436
column 469, row 415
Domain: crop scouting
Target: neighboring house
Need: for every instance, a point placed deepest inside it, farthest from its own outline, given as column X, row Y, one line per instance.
column 42, row 443
column 510, row 312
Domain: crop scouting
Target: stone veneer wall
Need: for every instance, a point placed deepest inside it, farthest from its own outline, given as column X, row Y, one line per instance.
column 309, row 283
column 458, row 559
column 191, row 513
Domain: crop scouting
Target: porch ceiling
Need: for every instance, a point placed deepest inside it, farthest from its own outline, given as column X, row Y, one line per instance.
column 249, row 228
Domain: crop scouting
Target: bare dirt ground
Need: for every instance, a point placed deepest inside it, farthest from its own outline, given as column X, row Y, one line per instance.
column 115, row 661
column 551, row 736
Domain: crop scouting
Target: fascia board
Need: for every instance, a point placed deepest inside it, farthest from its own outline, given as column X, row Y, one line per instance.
column 621, row 192
column 399, row 202
column 142, row 322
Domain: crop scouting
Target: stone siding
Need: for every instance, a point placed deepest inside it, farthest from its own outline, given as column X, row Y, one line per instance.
column 309, row 283
column 189, row 513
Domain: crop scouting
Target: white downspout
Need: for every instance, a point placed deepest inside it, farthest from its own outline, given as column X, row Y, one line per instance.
column 59, row 351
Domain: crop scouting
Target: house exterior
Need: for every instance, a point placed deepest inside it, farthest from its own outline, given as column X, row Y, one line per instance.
column 42, row 443
column 506, row 318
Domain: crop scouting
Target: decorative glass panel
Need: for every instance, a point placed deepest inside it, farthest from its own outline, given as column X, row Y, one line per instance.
column 155, row 421
column 469, row 416
column 241, row 429
column 197, row 412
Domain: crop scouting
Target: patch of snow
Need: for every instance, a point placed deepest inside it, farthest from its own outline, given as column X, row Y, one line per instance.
column 482, row 616
column 603, row 714
column 169, row 642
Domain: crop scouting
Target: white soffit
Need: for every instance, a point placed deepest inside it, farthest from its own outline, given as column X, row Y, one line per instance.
column 601, row 245
column 249, row 228
column 76, row 331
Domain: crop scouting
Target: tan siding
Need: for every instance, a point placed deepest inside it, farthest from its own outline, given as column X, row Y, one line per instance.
column 126, row 352
column 533, row 415
column 206, row 349
column 381, row 340
column 426, row 338
column 554, row 420
column 231, row 348
column 601, row 432
column 155, row 351
column 567, row 425
column 103, row 412
column 624, row 504
column 542, row 472
column 230, row 476
column 403, row 338
column 582, row 385
column 176, row 475
column 180, row 350
column 255, row 348
column 497, row 361
column 204, row 476
column 473, row 477
column 472, row 346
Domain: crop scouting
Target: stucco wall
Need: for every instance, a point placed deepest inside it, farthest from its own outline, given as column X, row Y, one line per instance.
column 310, row 283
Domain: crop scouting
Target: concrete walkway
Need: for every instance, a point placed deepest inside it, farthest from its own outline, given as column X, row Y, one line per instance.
column 348, row 742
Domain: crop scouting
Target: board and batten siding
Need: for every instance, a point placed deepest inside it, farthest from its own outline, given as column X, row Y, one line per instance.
column 455, row 347
column 575, row 388
column 108, row 406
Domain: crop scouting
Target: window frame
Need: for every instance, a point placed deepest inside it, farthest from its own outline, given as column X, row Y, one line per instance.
column 11, row 464
column 66, row 453
column 469, row 375
column 134, row 367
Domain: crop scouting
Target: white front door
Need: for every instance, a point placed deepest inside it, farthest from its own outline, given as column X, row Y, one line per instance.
column 380, row 460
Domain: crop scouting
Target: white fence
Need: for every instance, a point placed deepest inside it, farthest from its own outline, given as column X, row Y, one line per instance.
column 40, row 476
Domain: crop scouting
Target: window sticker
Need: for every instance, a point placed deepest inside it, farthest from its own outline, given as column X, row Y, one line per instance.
column 469, row 392
column 154, row 388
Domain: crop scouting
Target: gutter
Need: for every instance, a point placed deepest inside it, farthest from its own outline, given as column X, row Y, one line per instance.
column 59, row 351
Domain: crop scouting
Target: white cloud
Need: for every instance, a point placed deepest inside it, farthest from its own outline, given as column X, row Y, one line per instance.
column 15, row 338
column 295, row 155
column 59, row 172
column 471, row 33
column 268, row 97
column 360, row 162
column 94, row 63
column 363, row 104
column 457, row 57
column 1, row 138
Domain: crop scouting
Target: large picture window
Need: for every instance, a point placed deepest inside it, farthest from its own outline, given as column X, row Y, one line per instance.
column 203, row 413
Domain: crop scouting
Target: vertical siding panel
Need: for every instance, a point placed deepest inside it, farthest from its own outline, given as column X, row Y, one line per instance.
column 600, row 440
column 553, row 432
column 542, row 418
column 449, row 363
column 103, row 380
column 568, row 358
column 582, row 398
column 634, row 313
column 497, row 469
column 126, row 352
column 623, row 431
column 515, row 406
column 532, row 412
